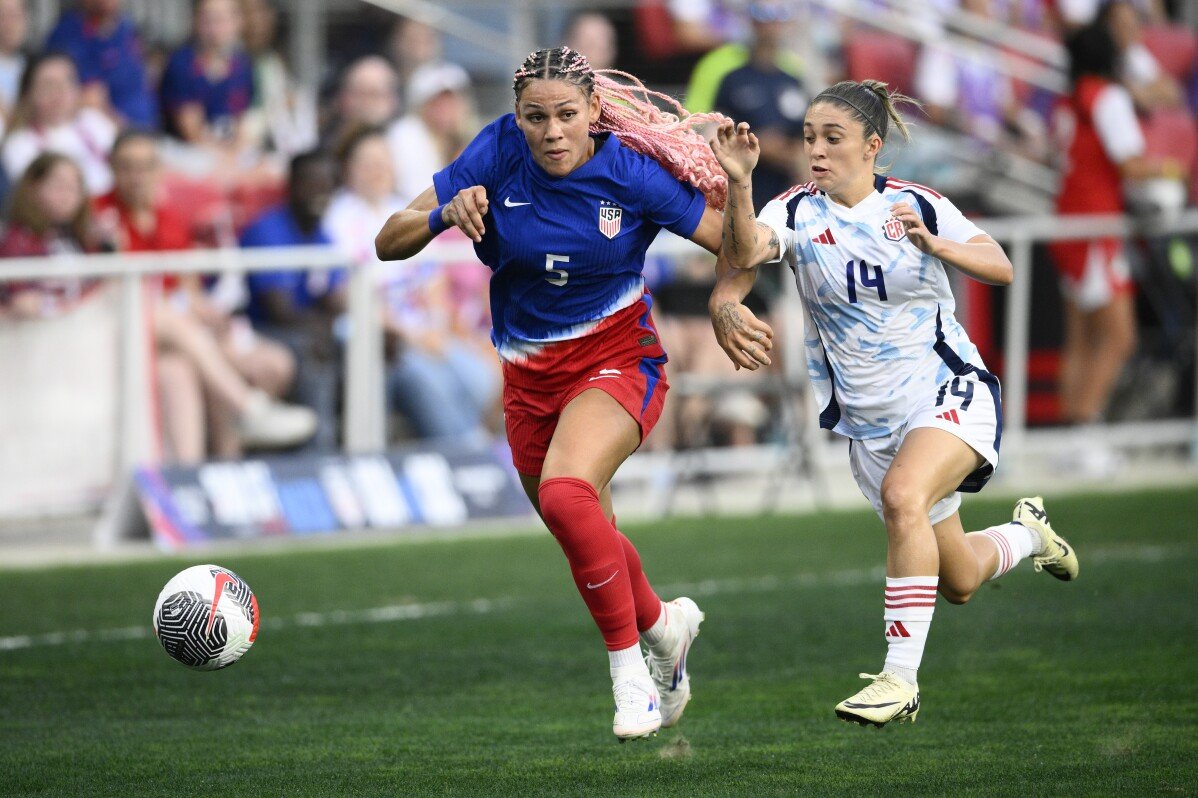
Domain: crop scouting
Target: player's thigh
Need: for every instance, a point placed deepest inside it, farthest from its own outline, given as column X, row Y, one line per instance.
column 929, row 466
column 594, row 435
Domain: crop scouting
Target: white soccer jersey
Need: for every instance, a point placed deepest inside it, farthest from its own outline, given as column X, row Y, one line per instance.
column 880, row 328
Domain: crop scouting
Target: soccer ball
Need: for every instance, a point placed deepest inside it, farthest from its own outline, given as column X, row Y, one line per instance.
column 206, row 617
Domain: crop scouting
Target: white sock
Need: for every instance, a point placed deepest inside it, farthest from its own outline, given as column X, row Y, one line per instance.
column 910, row 602
column 625, row 658
column 656, row 633
column 1014, row 542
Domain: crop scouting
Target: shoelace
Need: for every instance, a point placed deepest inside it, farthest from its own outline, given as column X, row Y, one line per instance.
column 880, row 680
column 630, row 693
column 1041, row 560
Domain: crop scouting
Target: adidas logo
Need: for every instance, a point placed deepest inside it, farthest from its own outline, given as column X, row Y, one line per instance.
column 825, row 237
column 950, row 415
column 897, row 630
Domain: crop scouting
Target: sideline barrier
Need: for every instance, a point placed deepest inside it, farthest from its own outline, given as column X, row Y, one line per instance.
column 364, row 429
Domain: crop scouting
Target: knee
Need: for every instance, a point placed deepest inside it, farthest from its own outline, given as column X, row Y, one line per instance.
column 902, row 504
column 561, row 498
column 955, row 596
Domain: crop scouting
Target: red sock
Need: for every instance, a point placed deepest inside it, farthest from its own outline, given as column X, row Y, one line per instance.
column 648, row 605
column 592, row 546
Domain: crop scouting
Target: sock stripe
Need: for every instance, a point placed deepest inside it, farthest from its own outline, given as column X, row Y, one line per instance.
column 891, row 606
column 1005, row 558
column 910, row 589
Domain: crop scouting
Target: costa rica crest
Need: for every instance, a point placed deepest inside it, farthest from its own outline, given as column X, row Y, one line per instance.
column 894, row 229
column 610, row 217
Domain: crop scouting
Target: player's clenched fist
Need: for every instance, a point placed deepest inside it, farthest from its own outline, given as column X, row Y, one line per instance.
column 466, row 210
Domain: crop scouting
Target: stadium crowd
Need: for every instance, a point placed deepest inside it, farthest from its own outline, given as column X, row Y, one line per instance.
column 111, row 144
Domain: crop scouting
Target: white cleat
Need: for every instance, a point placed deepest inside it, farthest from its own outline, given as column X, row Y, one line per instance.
column 668, row 667
column 638, row 709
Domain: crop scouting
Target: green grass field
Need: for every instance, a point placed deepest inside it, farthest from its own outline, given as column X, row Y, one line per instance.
column 1036, row 687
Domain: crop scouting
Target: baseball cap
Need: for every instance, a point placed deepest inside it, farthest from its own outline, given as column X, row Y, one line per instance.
column 429, row 80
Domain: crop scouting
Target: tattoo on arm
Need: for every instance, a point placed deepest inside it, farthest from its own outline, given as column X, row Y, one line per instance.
column 774, row 246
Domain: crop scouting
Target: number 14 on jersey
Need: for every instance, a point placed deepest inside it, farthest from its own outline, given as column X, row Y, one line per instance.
column 854, row 271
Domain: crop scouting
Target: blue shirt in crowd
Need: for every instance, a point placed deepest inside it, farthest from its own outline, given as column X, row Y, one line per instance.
column 223, row 101
column 278, row 228
column 114, row 57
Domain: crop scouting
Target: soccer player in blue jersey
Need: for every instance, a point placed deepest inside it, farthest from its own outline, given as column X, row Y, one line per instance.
column 891, row 367
column 562, row 199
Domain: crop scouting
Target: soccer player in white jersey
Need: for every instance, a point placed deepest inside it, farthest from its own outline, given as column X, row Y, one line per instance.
column 890, row 366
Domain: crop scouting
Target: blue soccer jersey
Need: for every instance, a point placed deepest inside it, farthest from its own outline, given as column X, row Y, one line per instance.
column 565, row 252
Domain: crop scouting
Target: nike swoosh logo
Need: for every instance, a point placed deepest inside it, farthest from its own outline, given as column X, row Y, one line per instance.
column 604, row 582
column 222, row 579
column 609, row 371
column 507, row 203
column 603, row 377
column 870, row 706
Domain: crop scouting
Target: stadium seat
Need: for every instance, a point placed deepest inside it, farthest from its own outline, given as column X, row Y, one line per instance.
column 1175, row 47
column 654, row 30
column 881, row 56
column 1172, row 132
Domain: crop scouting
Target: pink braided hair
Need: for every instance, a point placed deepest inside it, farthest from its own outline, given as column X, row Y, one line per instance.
column 627, row 110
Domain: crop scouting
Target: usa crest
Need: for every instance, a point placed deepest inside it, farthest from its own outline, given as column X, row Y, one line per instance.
column 894, row 229
column 610, row 217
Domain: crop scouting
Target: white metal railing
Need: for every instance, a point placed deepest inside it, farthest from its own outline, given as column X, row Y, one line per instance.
column 364, row 402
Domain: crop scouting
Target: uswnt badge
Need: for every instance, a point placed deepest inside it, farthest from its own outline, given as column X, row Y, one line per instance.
column 894, row 229
column 609, row 219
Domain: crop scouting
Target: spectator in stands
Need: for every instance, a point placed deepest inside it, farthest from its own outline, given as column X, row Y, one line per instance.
column 703, row 25
column 367, row 95
column 284, row 113
column 438, row 124
column 1150, row 86
column 48, row 215
column 300, row 308
column 199, row 343
column 593, row 35
column 967, row 91
column 50, row 116
column 1105, row 147
column 443, row 389
column 412, row 45
column 14, row 26
column 208, row 84
column 107, row 50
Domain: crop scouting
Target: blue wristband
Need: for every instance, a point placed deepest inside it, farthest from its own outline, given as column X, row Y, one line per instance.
column 435, row 221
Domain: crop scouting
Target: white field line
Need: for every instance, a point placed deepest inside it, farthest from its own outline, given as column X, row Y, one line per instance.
column 855, row 577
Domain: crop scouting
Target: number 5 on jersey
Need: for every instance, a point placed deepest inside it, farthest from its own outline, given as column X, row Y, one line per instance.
column 556, row 276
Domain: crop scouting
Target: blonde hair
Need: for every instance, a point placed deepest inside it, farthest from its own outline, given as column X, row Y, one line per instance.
column 627, row 109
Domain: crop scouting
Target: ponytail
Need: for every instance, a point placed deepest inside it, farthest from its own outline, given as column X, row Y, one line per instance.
column 872, row 103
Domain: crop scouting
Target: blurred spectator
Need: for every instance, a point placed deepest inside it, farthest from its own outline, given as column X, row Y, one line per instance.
column 969, row 92
column 442, row 386
column 213, row 369
column 299, row 308
column 49, row 215
column 703, row 25
column 50, row 116
column 105, row 46
column 367, row 95
column 766, row 91
column 208, row 84
column 438, row 124
column 1150, row 86
column 593, row 35
column 284, row 113
column 1105, row 147
column 14, row 25
column 412, row 45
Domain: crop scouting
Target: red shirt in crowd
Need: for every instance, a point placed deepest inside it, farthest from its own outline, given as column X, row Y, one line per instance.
column 170, row 232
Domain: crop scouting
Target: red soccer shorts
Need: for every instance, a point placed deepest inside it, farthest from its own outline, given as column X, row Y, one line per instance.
column 1092, row 273
column 623, row 357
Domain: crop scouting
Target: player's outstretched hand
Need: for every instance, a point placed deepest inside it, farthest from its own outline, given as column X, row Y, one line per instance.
column 737, row 150
column 917, row 232
column 743, row 337
column 466, row 210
